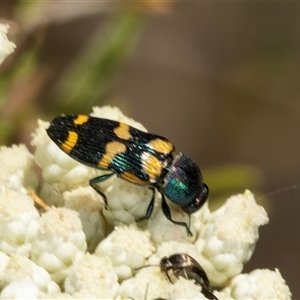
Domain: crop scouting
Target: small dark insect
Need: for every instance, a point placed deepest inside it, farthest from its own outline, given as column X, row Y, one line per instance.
column 185, row 266
column 136, row 156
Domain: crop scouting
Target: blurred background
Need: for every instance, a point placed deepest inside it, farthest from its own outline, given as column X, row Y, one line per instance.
column 219, row 79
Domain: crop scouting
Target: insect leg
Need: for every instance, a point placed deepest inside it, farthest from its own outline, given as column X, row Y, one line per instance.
column 93, row 184
column 149, row 208
column 168, row 276
column 208, row 294
column 167, row 213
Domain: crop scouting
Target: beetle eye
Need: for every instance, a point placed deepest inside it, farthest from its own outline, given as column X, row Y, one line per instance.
column 198, row 201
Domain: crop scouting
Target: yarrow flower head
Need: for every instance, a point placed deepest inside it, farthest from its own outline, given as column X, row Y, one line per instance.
column 19, row 222
column 19, row 268
column 6, row 46
column 85, row 249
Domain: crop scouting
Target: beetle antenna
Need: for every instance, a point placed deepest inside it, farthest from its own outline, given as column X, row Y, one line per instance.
column 146, row 266
column 280, row 190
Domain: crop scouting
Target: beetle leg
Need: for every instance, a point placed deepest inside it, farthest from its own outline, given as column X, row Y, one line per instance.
column 167, row 213
column 93, row 184
column 149, row 208
column 168, row 276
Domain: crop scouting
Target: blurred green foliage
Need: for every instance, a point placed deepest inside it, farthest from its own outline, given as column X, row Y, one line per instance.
column 79, row 87
column 88, row 78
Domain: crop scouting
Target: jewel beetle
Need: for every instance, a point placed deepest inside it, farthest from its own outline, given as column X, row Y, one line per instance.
column 184, row 265
column 136, row 156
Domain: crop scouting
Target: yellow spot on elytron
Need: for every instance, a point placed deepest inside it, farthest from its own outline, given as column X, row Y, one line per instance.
column 81, row 119
column 122, row 131
column 151, row 165
column 111, row 150
column 132, row 178
column 70, row 142
column 161, row 146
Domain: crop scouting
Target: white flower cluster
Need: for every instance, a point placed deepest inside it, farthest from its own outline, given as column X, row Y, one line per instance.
column 6, row 46
column 78, row 249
